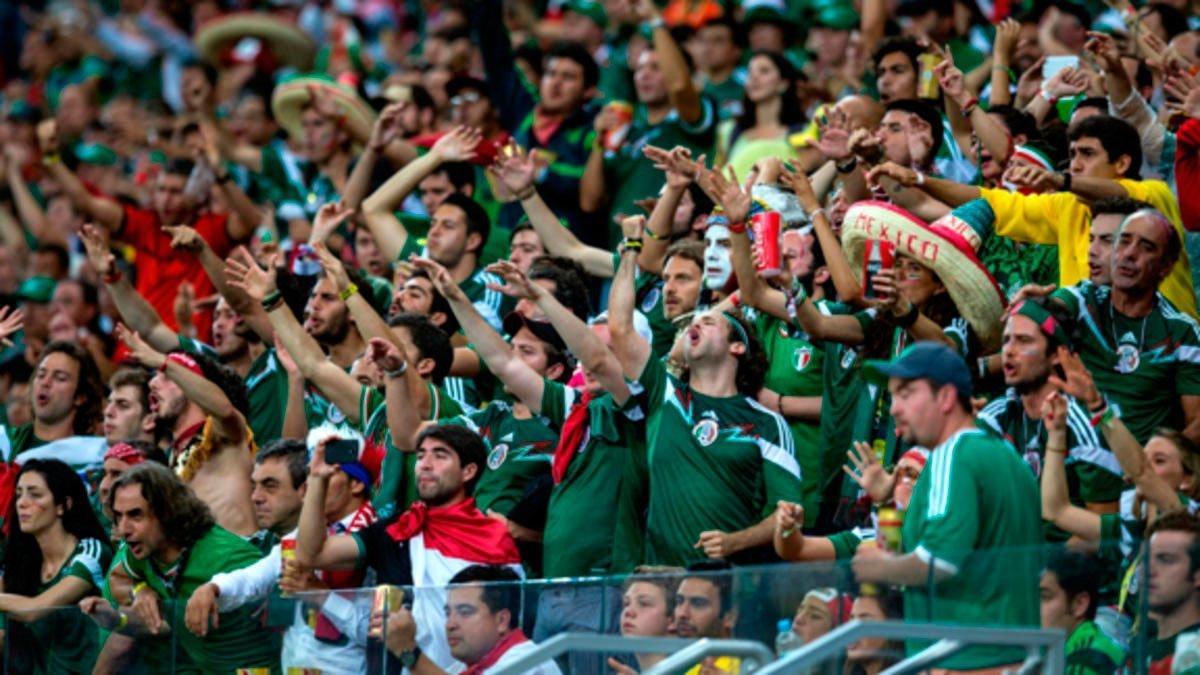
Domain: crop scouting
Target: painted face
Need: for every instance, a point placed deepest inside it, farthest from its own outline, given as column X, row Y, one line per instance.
column 717, row 265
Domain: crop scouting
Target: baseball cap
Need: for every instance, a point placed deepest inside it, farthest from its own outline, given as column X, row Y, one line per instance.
column 38, row 290
column 923, row 360
column 461, row 82
column 589, row 8
column 96, row 154
column 542, row 330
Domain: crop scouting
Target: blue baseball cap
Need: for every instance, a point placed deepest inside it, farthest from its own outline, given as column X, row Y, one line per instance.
column 923, row 360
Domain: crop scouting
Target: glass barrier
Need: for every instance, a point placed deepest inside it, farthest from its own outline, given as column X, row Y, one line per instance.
column 372, row 630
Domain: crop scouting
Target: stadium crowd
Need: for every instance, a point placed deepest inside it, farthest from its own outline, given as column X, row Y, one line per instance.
column 303, row 296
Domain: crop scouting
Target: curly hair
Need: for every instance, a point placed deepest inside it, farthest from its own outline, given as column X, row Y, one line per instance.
column 183, row 517
column 88, row 385
column 752, row 363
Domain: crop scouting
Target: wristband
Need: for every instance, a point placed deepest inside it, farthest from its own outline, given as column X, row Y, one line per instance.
column 817, row 212
column 271, row 300
column 908, row 318
column 735, row 299
column 737, row 228
column 970, row 106
column 348, row 291
column 849, row 166
column 779, row 403
column 113, row 276
column 52, row 158
column 650, row 235
column 399, row 371
column 1101, row 415
column 1062, row 450
column 123, row 621
column 138, row 587
column 920, row 178
column 527, row 194
column 1046, row 95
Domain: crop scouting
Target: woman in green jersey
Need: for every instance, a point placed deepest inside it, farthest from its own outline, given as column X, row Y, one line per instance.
column 56, row 556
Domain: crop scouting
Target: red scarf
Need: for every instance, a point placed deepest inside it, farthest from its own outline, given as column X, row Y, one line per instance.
column 545, row 126
column 457, row 531
column 506, row 643
column 571, row 438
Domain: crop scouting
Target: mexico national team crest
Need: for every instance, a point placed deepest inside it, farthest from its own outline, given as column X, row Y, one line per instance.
column 801, row 358
column 1127, row 358
column 650, row 299
column 706, row 431
column 497, row 456
column 848, row 356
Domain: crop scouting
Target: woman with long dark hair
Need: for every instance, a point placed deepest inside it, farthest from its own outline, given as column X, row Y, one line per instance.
column 57, row 554
column 771, row 114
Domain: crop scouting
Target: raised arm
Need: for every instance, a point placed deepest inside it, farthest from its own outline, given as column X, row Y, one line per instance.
column 515, row 170
column 137, row 312
column 314, row 548
column 847, row 286
column 791, row 544
column 1007, row 34
column 992, row 134
column 631, row 348
column 33, row 217
column 295, row 424
column 685, row 99
column 520, row 379
column 379, row 208
column 946, row 191
column 680, row 170
column 231, row 425
column 104, row 211
column 246, row 214
column 1056, row 502
column 340, row 388
column 403, row 415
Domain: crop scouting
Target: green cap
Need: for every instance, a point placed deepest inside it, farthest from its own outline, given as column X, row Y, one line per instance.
column 834, row 14
column 589, row 8
column 97, row 154
column 39, row 290
column 767, row 11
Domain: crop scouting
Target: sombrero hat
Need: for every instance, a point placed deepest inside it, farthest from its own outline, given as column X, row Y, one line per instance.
column 287, row 42
column 291, row 97
column 948, row 247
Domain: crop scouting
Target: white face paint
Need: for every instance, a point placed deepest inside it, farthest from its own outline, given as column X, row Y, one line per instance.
column 717, row 266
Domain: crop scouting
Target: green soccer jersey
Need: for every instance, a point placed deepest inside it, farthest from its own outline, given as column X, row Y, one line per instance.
column 1092, row 470
column 66, row 640
column 795, row 368
column 267, row 389
column 300, row 186
column 239, row 641
column 972, row 508
column 519, row 451
column 591, row 489
column 1090, row 652
column 1141, row 365
column 715, row 464
column 841, row 388
column 727, row 95
column 846, row 542
column 631, row 176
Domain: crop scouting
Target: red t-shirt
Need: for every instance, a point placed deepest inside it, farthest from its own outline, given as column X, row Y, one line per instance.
column 160, row 268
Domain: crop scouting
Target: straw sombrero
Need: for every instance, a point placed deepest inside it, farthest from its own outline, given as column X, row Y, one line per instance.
column 948, row 247
column 291, row 97
column 288, row 43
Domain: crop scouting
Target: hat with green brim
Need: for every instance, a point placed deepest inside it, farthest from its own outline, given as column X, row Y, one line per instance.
column 39, row 290
column 291, row 97
column 925, row 360
column 96, row 154
column 767, row 11
column 287, row 42
column 589, row 8
column 834, row 14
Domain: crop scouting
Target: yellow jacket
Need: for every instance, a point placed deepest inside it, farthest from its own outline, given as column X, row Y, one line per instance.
column 1061, row 218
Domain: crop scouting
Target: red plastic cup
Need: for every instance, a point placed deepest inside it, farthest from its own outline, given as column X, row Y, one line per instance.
column 766, row 226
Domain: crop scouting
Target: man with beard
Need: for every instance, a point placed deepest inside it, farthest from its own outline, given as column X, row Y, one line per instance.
column 976, row 495
column 704, row 607
column 199, row 403
column 1029, row 353
column 1173, row 594
column 458, row 230
column 426, row 545
column 234, row 342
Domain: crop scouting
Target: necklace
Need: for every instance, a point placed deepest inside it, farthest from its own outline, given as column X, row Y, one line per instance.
column 1128, row 355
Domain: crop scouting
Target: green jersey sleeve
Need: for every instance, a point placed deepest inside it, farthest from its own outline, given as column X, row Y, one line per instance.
column 844, row 544
column 653, row 381
column 1187, row 357
column 192, row 346
column 556, row 402
column 952, row 514
column 89, row 562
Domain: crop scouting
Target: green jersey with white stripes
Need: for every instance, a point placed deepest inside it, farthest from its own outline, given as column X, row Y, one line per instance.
column 975, row 515
column 1142, row 365
column 67, row 640
column 715, row 464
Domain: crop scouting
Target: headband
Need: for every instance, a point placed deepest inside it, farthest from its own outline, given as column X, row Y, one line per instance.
column 737, row 326
column 1045, row 321
column 918, row 456
column 184, row 360
column 126, row 453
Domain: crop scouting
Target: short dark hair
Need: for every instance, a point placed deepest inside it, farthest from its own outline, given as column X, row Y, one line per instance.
column 224, row 377
column 133, row 377
column 210, row 72
column 183, row 516
column 466, row 443
column 1019, row 122
column 432, row 342
column 1077, row 573
column 1173, row 21
column 1116, row 136
column 926, row 112
column 1119, row 206
column 736, row 30
column 905, row 45
column 477, row 219
column 88, row 384
column 499, row 588
column 62, row 257
column 1180, row 520
column 688, row 249
column 422, row 98
column 719, row 573
column 569, row 286
column 293, row 452
column 179, row 166
column 438, row 303
column 460, row 174
column 573, row 51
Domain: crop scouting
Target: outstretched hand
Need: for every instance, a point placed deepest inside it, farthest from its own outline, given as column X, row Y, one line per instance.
column 516, row 284
column 385, row 354
column 98, row 254
column 1078, row 382
column 458, row 145
column 139, row 350
column 734, row 201
column 869, row 473
column 329, row 216
column 440, row 278
column 243, row 273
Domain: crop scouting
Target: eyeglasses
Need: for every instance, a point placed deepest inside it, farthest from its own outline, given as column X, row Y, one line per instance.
column 465, row 97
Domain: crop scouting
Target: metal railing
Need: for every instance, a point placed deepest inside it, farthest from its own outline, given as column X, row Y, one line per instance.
column 948, row 640
column 691, row 651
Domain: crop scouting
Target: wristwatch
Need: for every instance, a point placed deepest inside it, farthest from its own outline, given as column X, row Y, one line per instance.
column 409, row 658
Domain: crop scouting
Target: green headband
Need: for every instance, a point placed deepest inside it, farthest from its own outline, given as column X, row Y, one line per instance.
column 1045, row 321
column 737, row 325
